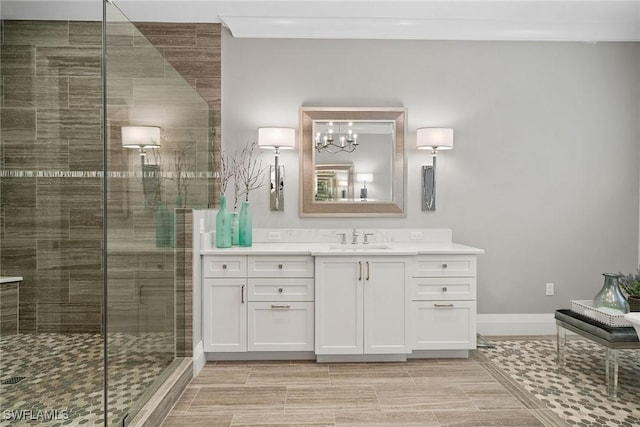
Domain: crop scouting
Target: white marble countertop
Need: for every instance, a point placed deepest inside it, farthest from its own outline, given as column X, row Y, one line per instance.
column 10, row 279
column 326, row 242
column 336, row 249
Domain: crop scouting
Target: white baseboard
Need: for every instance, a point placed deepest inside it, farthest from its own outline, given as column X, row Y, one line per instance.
column 516, row 324
column 199, row 359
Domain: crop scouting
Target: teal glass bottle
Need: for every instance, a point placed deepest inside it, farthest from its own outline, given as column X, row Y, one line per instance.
column 223, row 225
column 162, row 225
column 171, row 229
column 245, row 225
column 235, row 228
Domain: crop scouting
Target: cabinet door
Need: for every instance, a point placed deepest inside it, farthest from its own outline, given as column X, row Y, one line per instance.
column 339, row 305
column 444, row 325
column 280, row 326
column 224, row 315
column 386, row 303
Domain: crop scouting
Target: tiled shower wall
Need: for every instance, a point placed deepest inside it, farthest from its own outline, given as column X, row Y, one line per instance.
column 50, row 194
column 51, row 154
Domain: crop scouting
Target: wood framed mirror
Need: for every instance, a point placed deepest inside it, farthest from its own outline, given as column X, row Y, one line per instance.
column 352, row 161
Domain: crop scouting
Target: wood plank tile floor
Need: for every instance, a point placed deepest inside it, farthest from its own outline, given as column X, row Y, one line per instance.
column 422, row 392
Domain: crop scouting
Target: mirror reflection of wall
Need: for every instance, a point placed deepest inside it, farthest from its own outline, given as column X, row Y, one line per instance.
column 333, row 182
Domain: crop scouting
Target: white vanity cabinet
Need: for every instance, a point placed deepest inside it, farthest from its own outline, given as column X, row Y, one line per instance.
column 362, row 305
column 443, row 293
column 224, row 310
column 281, row 311
column 257, row 303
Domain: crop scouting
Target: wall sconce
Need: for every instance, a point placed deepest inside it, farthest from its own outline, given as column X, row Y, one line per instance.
column 434, row 139
column 276, row 138
column 364, row 178
column 142, row 138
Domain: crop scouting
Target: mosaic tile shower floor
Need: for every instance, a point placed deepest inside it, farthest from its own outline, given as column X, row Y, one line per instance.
column 576, row 393
column 64, row 373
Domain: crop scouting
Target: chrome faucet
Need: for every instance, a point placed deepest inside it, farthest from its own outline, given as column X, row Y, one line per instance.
column 343, row 238
column 354, row 237
column 365, row 236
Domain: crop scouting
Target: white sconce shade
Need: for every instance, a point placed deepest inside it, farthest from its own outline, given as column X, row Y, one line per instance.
column 140, row 136
column 434, row 138
column 364, row 177
column 272, row 137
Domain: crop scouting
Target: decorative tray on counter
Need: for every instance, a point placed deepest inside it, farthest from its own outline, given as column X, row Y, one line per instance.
column 608, row 316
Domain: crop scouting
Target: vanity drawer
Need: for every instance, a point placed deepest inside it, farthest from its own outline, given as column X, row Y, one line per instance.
column 444, row 266
column 273, row 289
column 227, row 266
column 443, row 288
column 280, row 326
column 444, row 325
column 280, row 266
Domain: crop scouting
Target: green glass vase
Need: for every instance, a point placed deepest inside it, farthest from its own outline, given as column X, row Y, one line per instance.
column 162, row 225
column 235, row 228
column 223, row 225
column 610, row 295
column 245, row 225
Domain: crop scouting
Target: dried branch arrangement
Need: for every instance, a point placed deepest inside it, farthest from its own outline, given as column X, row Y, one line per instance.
column 184, row 165
column 250, row 171
column 246, row 170
column 227, row 171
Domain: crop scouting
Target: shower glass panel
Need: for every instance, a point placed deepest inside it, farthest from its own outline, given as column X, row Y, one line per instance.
column 51, row 212
column 92, row 296
column 158, row 138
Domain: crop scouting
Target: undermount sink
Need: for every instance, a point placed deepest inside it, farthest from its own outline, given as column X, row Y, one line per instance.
column 360, row 247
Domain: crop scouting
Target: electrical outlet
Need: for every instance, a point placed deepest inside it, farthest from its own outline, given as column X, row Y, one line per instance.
column 416, row 235
column 550, row 289
column 273, row 235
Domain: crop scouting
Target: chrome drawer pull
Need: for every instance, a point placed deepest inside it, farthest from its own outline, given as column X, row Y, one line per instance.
column 444, row 265
column 444, row 289
column 443, row 305
column 281, row 306
column 242, row 294
column 280, row 290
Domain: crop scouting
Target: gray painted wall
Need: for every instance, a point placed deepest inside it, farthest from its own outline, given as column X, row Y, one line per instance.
column 544, row 173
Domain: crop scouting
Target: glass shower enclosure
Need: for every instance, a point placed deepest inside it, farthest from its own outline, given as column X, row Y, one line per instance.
column 104, row 151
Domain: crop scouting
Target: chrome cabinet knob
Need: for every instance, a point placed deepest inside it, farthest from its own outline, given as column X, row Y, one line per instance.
column 224, row 266
column 444, row 289
column 444, row 265
column 280, row 290
column 280, row 266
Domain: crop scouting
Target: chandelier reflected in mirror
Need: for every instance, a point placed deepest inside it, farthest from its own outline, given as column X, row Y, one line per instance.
column 335, row 137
